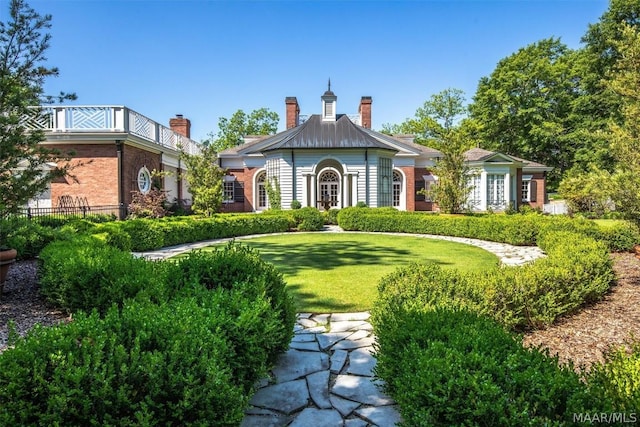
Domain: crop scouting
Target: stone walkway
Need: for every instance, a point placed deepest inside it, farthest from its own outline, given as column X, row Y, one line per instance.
column 325, row 378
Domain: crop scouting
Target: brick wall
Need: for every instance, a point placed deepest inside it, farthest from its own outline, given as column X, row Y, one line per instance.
column 419, row 205
column 96, row 181
column 133, row 160
column 245, row 176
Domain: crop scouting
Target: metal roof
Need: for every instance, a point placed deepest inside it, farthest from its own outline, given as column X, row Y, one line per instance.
column 316, row 133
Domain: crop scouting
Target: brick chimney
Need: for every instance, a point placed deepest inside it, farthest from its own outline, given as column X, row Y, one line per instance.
column 365, row 112
column 180, row 125
column 293, row 111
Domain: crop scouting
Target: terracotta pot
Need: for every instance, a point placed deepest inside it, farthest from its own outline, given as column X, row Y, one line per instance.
column 7, row 257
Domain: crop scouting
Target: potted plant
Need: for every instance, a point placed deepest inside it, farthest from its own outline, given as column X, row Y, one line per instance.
column 7, row 257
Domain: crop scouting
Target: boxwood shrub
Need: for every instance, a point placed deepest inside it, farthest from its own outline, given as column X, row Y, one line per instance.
column 511, row 229
column 167, row 343
column 142, row 365
column 456, row 368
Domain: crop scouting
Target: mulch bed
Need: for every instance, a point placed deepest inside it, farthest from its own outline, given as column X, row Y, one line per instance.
column 585, row 336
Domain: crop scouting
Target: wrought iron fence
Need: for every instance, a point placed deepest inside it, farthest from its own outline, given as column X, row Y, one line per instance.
column 63, row 212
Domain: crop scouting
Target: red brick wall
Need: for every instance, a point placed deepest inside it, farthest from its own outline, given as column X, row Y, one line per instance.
column 411, row 196
column 410, row 186
column 134, row 159
column 96, row 180
column 246, row 176
column 541, row 194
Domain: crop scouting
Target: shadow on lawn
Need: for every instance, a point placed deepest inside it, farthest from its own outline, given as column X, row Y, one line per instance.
column 328, row 255
column 309, row 299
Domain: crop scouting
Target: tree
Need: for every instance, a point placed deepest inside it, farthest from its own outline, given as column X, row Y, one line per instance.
column 624, row 81
column 440, row 124
column 26, row 166
column 231, row 131
column 525, row 106
column 205, row 180
column 597, row 103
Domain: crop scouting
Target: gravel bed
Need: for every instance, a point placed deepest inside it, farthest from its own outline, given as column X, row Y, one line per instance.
column 22, row 303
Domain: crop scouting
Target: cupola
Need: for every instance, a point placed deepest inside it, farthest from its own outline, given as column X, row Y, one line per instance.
column 329, row 105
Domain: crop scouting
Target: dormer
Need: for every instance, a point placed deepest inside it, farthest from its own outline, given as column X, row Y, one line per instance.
column 329, row 105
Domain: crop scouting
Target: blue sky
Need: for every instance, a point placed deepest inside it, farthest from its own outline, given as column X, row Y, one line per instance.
column 207, row 59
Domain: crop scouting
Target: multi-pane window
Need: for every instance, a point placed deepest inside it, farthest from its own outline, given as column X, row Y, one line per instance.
column 475, row 193
column 144, row 180
column 495, row 191
column 228, row 195
column 525, row 190
column 329, row 187
column 262, row 191
column 397, row 188
column 385, row 175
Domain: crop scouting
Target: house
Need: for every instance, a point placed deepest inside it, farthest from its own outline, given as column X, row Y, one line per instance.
column 336, row 160
column 121, row 151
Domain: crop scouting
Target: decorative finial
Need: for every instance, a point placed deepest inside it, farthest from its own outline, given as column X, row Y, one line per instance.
column 329, row 84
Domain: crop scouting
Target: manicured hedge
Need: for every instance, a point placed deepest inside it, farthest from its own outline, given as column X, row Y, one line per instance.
column 167, row 343
column 455, row 368
column 512, row 229
column 149, row 234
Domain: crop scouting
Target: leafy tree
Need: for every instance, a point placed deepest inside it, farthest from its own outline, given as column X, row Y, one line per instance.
column 587, row 191
column 205, row 180
column 25, row 164
column 440, row 124
column 598, row 103
column 625, row 134
column 525, row 106
column 272, row 187
column 231, row 131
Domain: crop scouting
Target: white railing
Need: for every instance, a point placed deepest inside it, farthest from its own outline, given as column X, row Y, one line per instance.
column 107, row 118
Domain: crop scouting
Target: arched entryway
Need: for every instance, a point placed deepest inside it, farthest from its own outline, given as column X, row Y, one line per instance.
column 329, row 184
column 260, row 195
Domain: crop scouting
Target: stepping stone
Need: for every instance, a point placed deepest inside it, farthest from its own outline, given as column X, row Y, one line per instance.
column 346, row 325
column 359, row 335
column 361, row 362
column 314, row 330
column 338, row 359
column 381, row 415
column 321, row 319
column 317, row 418
column 307, row 323
column 347, row 344
column 286, row 397
column 360, row 389
column 318, row 385
column 303, row 338
column 329, row 339
column 308, row 346
column 355, row 422
column 296, row 364
column 341, row 317
column 304, row 315
column 344, row 406
column 275, row 420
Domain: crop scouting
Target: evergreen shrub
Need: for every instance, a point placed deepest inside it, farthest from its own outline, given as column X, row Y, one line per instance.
column 454, row 367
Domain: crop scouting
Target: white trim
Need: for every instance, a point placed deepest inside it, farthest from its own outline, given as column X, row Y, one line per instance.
column 256, row 191
column 144, row 180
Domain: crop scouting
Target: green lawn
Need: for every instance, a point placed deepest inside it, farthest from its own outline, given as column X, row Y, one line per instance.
column 339, row 272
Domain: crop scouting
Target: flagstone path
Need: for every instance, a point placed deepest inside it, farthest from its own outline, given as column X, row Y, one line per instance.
column 325, row 378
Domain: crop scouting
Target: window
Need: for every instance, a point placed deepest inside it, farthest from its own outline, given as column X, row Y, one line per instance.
column 328, row 109
column 475, row 195
column 526, row 188
column 144, row 180
column 385, row 175
column 329, row 187
column 262, row 192
column 228, row 192
column 397, row 188
column 495, row 191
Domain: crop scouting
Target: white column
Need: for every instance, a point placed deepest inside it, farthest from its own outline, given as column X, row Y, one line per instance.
column 304, row 189
column 314, row 190
column 507, row 189
column 355, row 197
column 483, row 191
